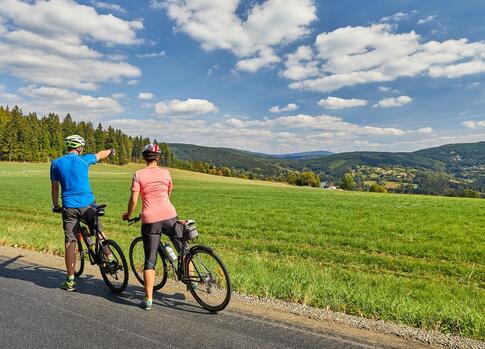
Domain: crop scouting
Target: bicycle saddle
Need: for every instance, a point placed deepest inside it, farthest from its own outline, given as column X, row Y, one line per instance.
column 99, row 209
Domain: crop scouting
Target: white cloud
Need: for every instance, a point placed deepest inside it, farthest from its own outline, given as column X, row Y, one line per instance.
column 157, row 4
column 132, row 82
column 398, row 16
column 289, row 107
column 268, row 25
column 357, row 55
column 152, row 55
column 387, row 89
column 425, row 130
column 427, row 19
column 65, row 17
column 212, row 69
column 189, row 107
column 393, row 102
column 145, row 95
column 340, row 103
column 118, row 95
column 281, row 134
column 62, row 101
column 108, row 6
column 474, row 124
column 8, row 98
column 46, row 43
column 472, row 85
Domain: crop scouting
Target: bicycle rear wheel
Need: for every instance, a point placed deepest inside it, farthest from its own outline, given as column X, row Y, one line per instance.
column 209, row 280
column 114, row 272
column 137, row 263
column 80, row 259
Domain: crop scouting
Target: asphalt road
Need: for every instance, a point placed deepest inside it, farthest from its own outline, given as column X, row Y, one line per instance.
column 35, row 313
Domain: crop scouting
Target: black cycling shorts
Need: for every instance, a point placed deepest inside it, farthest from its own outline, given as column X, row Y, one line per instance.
column 151, row 233
column 71, row 218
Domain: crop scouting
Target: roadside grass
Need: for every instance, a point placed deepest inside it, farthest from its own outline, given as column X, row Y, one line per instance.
column 414, row 260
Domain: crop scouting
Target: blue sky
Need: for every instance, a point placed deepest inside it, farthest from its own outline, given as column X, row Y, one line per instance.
column 273, row 76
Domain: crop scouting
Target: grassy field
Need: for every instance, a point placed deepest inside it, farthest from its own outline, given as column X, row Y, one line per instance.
column 415, row 260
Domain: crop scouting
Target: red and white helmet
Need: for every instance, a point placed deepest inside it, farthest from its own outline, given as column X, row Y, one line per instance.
column 151, row 151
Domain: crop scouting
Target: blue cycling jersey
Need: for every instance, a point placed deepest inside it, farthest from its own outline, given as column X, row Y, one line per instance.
column 71, row 171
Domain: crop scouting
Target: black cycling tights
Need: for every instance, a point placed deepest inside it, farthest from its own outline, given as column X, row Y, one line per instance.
column 151, row 232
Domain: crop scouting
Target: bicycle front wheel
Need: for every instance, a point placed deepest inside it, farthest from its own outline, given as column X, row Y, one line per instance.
column 114, row 268
column 137, row 263
column 209, row 280
column 80, row 259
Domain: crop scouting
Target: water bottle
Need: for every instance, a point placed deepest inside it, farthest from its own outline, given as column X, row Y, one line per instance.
column 86, row 237
column 170, row 253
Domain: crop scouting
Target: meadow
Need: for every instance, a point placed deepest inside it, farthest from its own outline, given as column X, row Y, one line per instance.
column 414, row 260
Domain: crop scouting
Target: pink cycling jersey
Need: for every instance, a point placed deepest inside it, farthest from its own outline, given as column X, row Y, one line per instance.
column 155, row 186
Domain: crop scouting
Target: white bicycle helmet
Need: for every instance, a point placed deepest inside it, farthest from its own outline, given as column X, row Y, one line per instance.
column 74, row 141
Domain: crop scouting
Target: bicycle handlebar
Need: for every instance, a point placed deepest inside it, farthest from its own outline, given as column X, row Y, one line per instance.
column 134, row 220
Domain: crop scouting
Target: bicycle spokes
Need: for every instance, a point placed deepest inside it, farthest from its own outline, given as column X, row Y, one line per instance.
column 209, row 280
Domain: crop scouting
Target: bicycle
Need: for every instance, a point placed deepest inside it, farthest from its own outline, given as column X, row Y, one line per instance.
column 198, row 266
column 115, row 271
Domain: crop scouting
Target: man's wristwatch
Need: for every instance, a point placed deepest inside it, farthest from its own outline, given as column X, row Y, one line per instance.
column 56, row 209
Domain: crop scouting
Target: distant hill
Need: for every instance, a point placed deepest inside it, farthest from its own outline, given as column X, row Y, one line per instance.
column 439, row 158
column 303, row 155
column 262, row 164
column 463, row 161
column 446, row 158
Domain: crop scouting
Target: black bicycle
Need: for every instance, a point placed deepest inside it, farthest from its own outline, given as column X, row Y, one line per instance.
column 107, row 254
column 198, row 266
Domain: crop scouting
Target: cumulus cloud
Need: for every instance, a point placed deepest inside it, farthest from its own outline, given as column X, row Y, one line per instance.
column 46, row 99
column 425, row 130
column 357, row 55
column 291, row 133
column 393, row 102
column 387, row 89
column 340, row 103
column 108, row 6
column 427, row 19
column 278, row 109
column 474, row 124
column 152, row 55
column 216, row 25
column 145, row 95
column 47, row 43
column 189, row 107
column 398, row 16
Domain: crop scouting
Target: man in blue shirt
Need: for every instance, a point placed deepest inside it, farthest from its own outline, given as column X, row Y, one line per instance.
column 71, row 173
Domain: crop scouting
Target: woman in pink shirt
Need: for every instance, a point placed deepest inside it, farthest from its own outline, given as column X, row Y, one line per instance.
column 158, row 215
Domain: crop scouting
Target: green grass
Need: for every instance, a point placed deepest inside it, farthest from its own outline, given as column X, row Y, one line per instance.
column 414, row 260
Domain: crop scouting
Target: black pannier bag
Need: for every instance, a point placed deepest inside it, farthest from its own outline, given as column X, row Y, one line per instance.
column 186, row 230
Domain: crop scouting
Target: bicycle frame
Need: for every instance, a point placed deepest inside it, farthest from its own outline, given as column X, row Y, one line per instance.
column 180, row 270
column 94, row 255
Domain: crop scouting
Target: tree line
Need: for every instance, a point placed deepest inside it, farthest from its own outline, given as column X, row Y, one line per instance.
column 41, row 139
column 424, row 182
column 30, row 138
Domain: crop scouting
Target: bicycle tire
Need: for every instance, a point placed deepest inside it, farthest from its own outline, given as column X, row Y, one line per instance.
column 137, row 261
column 208, row 283
column 121, row 267
column 79, row 267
